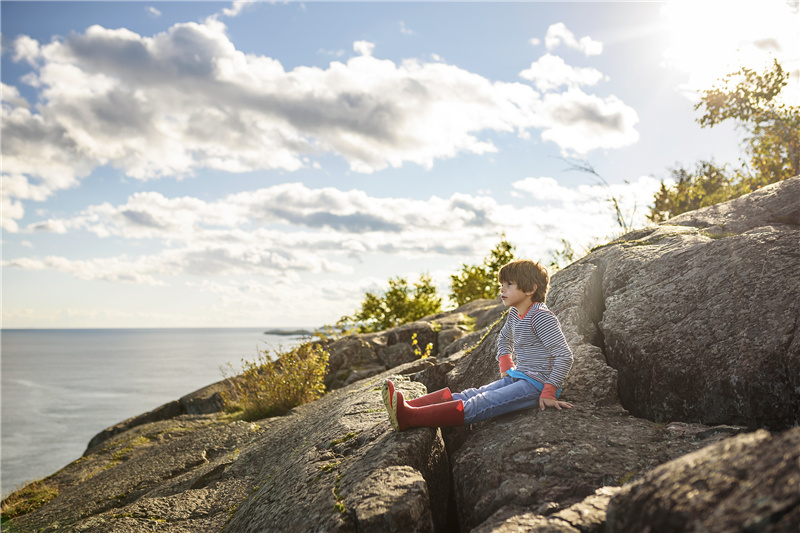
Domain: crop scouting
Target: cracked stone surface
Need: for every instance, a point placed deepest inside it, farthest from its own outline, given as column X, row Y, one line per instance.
column 747, row 483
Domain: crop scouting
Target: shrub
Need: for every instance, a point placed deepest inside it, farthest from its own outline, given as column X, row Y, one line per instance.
column 398, row 305
column 27, row 499
column 271, row 386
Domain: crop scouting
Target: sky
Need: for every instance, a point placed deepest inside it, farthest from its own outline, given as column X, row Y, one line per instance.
column 237, row 164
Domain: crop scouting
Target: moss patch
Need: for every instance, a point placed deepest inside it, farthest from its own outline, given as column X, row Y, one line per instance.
column 349, row 436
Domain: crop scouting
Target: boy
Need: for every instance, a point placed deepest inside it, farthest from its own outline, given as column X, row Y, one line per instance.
column 531, row 332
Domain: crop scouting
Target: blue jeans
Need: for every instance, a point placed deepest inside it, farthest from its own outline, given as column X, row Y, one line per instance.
column 498, row 398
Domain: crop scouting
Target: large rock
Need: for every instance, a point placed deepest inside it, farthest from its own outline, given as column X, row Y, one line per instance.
column 336, row 465
column 506, row 470
column 703, row 326
column 183, row 472
column 747, row 483
column 360, row 356
column 531, row 458
column 206, row 400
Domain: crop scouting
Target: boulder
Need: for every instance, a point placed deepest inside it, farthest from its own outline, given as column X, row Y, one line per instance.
column 701, row 326
column 605, row 303
column 447, row 337
column 746, row 483
column 360, row 356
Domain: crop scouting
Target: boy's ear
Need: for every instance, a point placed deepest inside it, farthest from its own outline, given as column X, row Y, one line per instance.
column 535, row 287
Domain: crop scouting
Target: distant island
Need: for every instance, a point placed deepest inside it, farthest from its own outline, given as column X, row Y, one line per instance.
column 288, row 332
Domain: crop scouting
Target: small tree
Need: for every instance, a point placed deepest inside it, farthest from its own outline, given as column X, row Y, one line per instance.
column 772, row 127
column 400, row 304
column 476, row 282
column 772, row 141
column 707, row 185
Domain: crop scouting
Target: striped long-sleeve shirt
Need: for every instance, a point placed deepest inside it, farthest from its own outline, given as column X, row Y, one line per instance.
column 539, row 344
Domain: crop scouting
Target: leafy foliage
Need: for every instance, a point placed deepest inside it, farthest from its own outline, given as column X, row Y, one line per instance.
column 271, row 386
column 772, row 142
column 476, row 282
column 563, row 256
column 772, row 127
column 400, row 304
column 417, row 351
column 707, row 185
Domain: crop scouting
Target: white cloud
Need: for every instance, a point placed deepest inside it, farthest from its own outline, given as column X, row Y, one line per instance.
column 198, row 102
column 579, row 122
column 236, row 8
column 332, row 53
column 558, row 34
column 584, row 214
column 10, row 94
column 153, row 12
column 405, row 30
column 331, row 230
column 364, row 48
column 186, row 99
column 26, row 49
column 546, row 189
column 550, row 72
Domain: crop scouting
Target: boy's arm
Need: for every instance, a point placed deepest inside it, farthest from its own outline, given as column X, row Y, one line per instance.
column 504, row 344
column 548, row 329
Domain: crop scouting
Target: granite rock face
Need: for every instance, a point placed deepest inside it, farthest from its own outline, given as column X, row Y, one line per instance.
column 684, row 337
column 703, row 326
column 746, row 483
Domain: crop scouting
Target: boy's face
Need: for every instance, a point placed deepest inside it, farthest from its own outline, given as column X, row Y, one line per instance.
column 513, row 296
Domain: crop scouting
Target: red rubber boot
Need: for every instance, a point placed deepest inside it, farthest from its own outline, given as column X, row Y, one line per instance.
column 439, row 396
column 404, row 416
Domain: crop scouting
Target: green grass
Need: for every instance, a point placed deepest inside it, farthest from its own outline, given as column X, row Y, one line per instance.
column 27, row 499
column 273, row 384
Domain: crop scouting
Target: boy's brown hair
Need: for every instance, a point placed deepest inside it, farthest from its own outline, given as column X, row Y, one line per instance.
column 525, row 274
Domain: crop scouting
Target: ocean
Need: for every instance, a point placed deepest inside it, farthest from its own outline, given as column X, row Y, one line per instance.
column 62, row 387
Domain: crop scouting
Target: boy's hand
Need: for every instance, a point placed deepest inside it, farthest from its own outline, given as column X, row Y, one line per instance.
column 549, row 402
column 503, row 374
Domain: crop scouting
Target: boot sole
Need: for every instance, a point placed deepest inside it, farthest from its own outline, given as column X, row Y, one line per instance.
column 390, row 404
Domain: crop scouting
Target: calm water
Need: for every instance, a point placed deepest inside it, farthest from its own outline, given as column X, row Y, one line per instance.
column 62, row 387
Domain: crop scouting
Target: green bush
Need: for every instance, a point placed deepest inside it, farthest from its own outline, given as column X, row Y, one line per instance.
column 399, row 305
column 27, row 499
column 707, row 185
column 272, row 385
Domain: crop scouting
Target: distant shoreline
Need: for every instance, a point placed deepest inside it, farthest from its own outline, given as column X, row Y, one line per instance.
column 288, row 332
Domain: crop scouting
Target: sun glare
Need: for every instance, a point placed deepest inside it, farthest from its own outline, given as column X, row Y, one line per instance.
column 709, row 39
